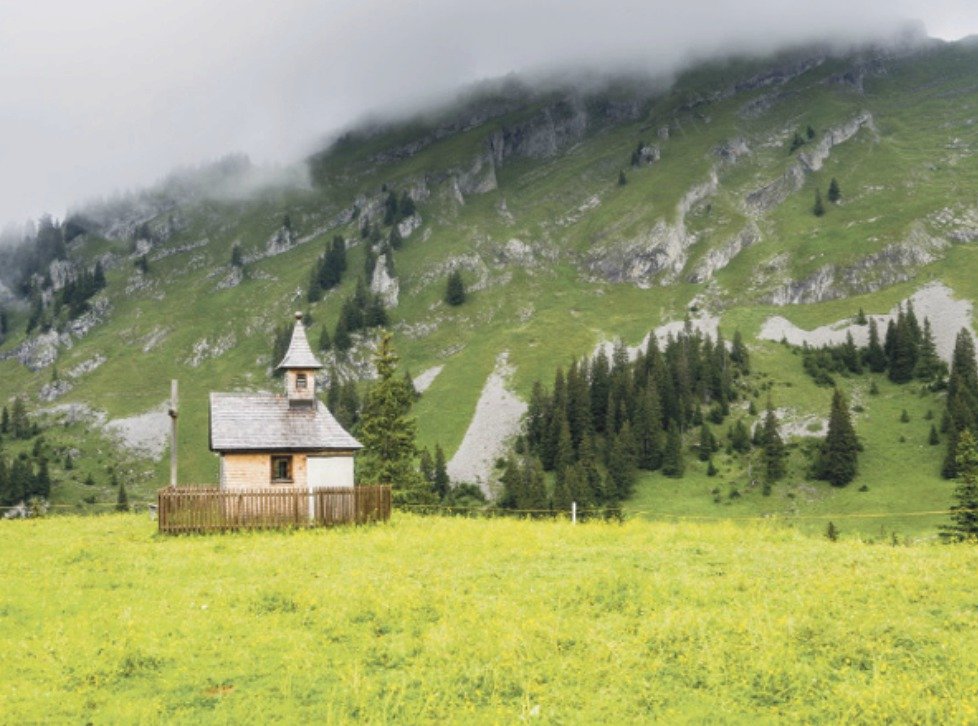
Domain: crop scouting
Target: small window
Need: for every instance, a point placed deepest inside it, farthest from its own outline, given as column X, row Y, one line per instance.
column 301, row 381
column 281, row 468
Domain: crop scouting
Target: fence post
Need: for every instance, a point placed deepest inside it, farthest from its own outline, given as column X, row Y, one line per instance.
column 573, row 512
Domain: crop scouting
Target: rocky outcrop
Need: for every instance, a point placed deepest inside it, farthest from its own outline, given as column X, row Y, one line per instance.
column 894, row 263
column 661, row 251
column 555, row 128
column 719, row 257
column 204, row 349
column 732, row 150
column 5, row 294
column 41, row 350
column 384, row 284
column 647, row 154
column 480, row 177
column 770, row 196
column 282, row 241
column 407, row 226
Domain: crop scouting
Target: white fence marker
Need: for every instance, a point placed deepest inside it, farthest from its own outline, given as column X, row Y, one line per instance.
column 573, row 512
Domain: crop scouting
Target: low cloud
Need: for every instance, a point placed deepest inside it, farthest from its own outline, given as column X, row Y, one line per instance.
column 107, row 95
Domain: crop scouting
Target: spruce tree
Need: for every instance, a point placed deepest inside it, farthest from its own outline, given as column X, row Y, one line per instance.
column 837, row 459
column 929, row 365
column 962, row 399
column 562, row 489
column 20, row 424
column 5, row 421
column 875, row 358
column 455, row 289
column 6, row 496
column 740, row 437
column 818, row 209
column 622, row 179
column 705, row 448
column 534, row 489
column 592, row 488
column 42, row 480
column 122, row 499
column 621, row 464
column 511, row 483
column 441, row 484
column 835, row 193
column 237, row 260
column 426, row 467
column 933, row 439
column 964, row 510
column 387, row 431
column 648, row 430
column 774, row 451
column 673, row 462
column 324, row 342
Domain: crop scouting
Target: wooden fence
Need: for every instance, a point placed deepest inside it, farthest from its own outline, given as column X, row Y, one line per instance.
column 212, row 509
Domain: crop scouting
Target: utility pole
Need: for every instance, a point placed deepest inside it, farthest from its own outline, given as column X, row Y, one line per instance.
column 173, row 432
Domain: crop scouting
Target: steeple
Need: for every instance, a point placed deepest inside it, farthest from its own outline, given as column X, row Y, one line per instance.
column 300, row 366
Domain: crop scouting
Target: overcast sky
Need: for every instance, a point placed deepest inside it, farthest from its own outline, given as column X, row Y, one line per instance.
column 106, row 95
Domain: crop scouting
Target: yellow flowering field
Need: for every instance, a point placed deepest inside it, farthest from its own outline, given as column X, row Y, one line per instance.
column 482, row 621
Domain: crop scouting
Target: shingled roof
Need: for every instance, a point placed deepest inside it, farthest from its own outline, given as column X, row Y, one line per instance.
column 266, row 422
column 299, row 354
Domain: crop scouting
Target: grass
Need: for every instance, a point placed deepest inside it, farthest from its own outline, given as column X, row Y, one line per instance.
column 499, row 621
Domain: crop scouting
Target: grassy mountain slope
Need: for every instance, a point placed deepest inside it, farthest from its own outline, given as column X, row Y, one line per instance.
column 600, row 260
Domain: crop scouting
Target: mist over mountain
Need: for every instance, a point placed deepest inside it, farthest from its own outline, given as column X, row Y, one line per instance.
column 123, row 94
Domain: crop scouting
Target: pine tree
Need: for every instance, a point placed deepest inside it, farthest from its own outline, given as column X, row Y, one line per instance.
column 810, row 132
column 98, row 279
column 673, row 461
column 706, row 445
column 6, row 496
column 122, row 498
column 832, row 532
column 442, row 485
column 933, row 439
column 818, row 209
column 562, row 489
column 324, row 342
column 835, row 194
column 740, row 437
column 837, row 460
column 5, row 421
column 964, row 511
column 20, row 424
column 962, row 399
column 929, row 366
column 534, row 489
column 592, row 489
column 387, row 431
column 621, row 464
column 648, row 430
column 903, row 356
column 774, row 451
column 42, row 480
column 237, row 259
column 341, row 336
column 426, row 467
column 739, row 354
column 511, row 483
column 874, row 357
column 622, row 179
column 455, row 289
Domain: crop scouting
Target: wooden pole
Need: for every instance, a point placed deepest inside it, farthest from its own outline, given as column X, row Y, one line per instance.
column 173, row 432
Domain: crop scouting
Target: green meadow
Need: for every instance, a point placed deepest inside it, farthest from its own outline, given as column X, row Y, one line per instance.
column 445, row 620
